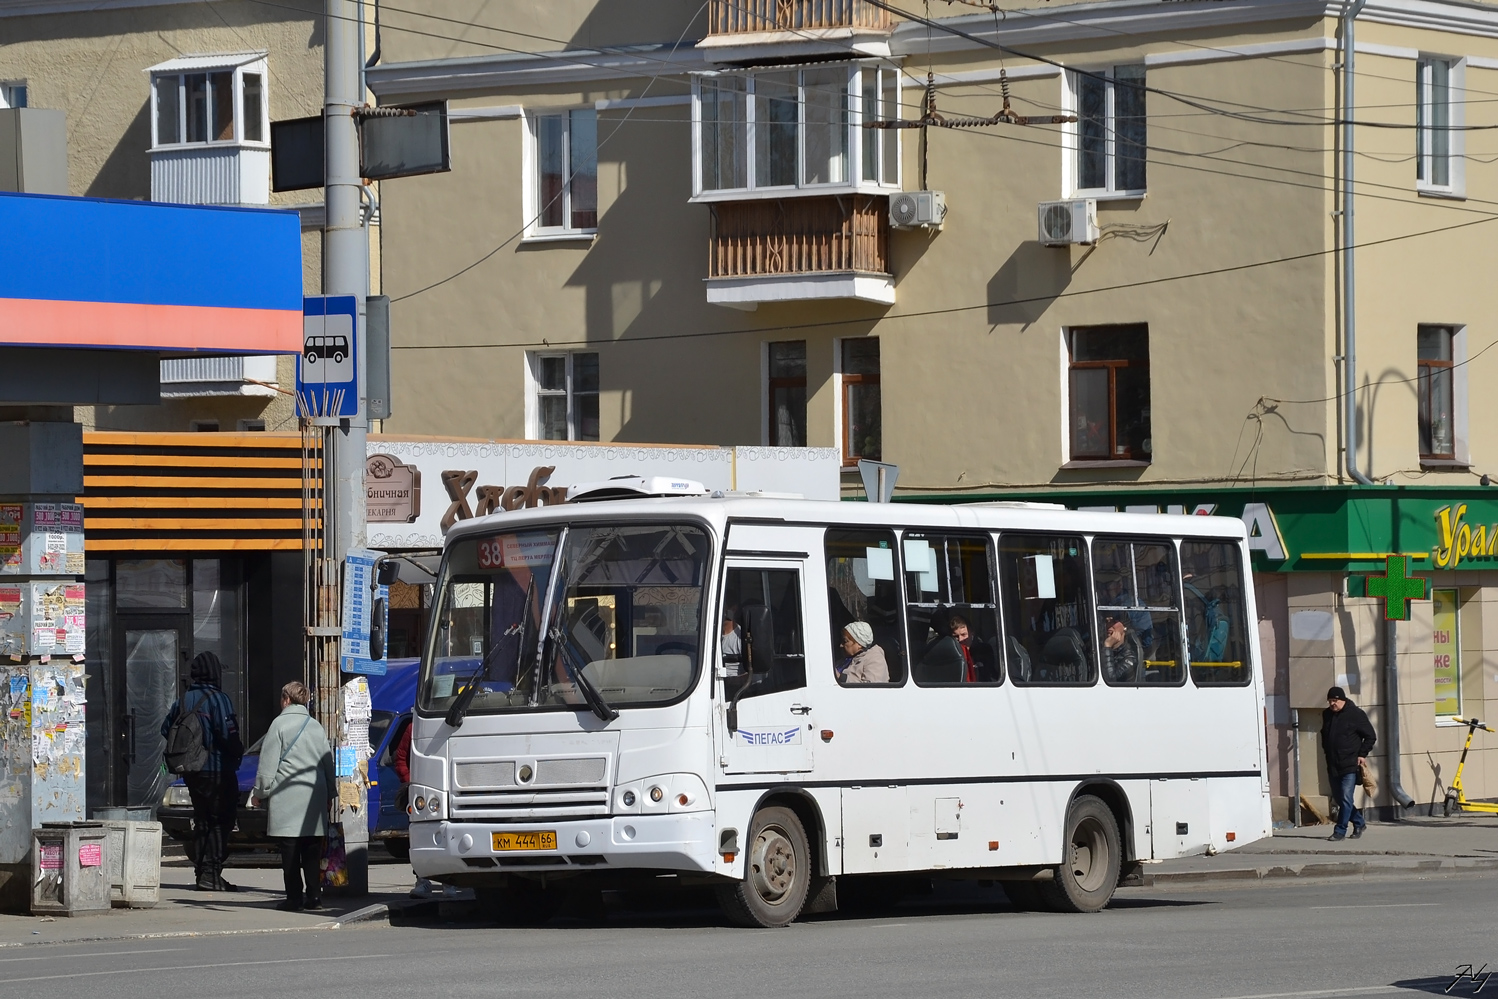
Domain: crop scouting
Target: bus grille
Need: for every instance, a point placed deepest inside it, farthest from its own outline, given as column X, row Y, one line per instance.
column 561, row 788
column 530, row 806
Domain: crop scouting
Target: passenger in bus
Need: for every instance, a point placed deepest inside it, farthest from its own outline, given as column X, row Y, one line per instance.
column 1120, row 651
column 865, row 662
column 733, row 643
column 982, row 666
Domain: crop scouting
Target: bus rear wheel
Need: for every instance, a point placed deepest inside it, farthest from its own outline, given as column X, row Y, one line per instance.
column 777, row 875
column 1088, row 873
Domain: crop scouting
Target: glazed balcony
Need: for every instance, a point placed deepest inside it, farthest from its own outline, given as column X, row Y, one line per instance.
column 797, row 249
column 752, row 28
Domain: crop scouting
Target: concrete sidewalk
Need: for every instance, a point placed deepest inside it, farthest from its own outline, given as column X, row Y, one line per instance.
column 185, row 912
column 1417, row 846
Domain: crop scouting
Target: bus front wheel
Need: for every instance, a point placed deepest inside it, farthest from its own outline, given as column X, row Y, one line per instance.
column 1088, row 873
column 777, row 872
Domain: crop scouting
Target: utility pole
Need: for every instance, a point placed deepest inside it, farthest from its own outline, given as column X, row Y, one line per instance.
column 345, row 271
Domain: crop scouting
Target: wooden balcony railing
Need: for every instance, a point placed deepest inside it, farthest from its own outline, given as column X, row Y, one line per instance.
column 734, row 16
column 799, row 236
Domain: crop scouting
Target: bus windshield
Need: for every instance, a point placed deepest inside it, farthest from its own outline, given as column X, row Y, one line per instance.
column 533, row 617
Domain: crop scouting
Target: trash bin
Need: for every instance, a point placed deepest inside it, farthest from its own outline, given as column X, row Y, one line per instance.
column 69, row 869
column 134, row 858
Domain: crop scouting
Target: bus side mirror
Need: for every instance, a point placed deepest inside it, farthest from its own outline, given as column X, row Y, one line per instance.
column 377, row 630
column 387, row 572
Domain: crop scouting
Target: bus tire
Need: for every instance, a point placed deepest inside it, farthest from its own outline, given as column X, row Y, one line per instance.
column 777, row 872
column 1088, row 873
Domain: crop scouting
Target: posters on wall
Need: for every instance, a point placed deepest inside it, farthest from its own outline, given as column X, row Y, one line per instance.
column 1447, row 662
column 41, row 539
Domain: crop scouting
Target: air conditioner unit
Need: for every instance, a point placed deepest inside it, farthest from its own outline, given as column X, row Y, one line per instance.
column 1065, row 222
column 917, row 209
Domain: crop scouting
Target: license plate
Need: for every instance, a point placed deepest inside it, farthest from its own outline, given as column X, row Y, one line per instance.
column 541, row 840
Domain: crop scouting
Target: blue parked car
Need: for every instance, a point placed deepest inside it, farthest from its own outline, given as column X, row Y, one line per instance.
column 393, row 697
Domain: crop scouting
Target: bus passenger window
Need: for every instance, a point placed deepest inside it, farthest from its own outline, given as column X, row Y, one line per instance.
column 1216, row 625
column 861, row 586
column 952, row 620
column 1138, row 612
column 1043, row 584
column 747, row 593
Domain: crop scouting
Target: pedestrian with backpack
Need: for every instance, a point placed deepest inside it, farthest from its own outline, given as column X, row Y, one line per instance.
column 203, row 748
column 297, row 782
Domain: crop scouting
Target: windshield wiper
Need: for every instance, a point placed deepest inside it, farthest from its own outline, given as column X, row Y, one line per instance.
column 458, row 710
column 590, row 693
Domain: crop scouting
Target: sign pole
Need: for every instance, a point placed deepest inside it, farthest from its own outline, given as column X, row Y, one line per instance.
column 345, row 273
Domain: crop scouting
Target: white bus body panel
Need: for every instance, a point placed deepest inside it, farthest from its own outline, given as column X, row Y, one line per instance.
column 940, row 778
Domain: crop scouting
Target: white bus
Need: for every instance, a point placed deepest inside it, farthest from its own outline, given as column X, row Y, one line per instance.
column 674, row 689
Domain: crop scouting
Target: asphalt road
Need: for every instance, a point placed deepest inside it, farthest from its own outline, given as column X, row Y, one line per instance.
column 1287, row 941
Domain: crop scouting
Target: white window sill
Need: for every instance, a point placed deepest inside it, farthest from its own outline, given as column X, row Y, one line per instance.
column 772, row 193
column 1104, row 463
column 1445, row 193
column 1445, row 464
column 1102, row 196
column 187, row 147
column 573, row 236
column 1449, row 722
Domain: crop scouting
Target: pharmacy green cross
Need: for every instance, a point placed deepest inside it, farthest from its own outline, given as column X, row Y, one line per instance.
column 1396, row 588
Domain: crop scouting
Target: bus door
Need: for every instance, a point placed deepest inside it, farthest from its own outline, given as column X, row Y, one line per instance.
column 764, row 717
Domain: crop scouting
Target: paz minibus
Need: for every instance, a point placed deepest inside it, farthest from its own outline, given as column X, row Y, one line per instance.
column 776, row 696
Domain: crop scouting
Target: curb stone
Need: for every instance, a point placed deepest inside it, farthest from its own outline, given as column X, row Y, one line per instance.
column 1346, row 868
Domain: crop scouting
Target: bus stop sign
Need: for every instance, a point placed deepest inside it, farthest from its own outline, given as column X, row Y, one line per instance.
column 327, row 382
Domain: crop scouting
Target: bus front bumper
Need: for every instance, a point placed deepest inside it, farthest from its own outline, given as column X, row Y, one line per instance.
column 676, row 842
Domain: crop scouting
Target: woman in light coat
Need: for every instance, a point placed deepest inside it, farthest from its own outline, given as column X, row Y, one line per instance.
column 296, row 783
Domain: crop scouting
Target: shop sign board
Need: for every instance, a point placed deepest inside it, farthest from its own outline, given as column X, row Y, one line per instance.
column 1330, row 529
column 393, row 490
column 478, row 478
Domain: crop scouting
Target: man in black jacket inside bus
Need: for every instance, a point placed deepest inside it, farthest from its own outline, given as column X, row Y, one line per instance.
column 1347, row 737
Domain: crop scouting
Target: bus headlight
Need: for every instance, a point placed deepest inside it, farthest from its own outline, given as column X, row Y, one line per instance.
column 660, row 794
column 426, row 804
column 177, row 796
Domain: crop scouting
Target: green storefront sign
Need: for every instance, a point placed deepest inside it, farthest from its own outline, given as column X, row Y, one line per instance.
column 1321, row 529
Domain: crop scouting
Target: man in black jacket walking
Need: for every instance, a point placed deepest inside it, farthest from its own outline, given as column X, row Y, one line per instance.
column 214, row 789
column 1347, row 737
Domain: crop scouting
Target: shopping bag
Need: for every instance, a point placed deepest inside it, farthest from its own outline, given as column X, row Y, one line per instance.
column 334, row 859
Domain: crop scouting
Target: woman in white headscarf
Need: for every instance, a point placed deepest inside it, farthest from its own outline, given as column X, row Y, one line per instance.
column 865, row 662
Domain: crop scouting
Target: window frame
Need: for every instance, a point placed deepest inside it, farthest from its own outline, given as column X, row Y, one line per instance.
column 1099, row 609
column 1071, row 142
column 774, row 382
column 238, row 70
column 1112, row 366
column 1426, row 157
column 8, row 91
column 796, row 570
column 1424, row 374
column 534, row 394
column 987, row 539
column 898, row 562
column 845, row 419
column 535, row 232
column 854, row 133
column 1087, row 613
column 1245, row 582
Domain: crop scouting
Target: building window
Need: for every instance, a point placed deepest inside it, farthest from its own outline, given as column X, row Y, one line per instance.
column 1109, row 397
column 1110, row 137
column 1435, row 155
column 565, row 188
column 12, row 94
column 796, row 128
column 566, row 395
column 787, row 394
column 1447, row 653
column 215, row 105
column 252, row 426
column 205, row 426
column 1437, row 392
column 863, row 425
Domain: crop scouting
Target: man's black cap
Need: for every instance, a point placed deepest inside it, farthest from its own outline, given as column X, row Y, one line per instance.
column 1336, row 694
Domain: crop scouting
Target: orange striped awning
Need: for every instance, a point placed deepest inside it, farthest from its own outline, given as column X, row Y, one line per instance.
column 192, row 491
